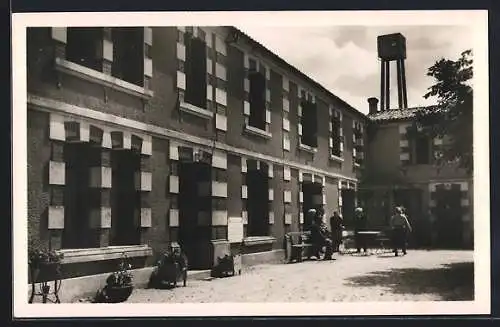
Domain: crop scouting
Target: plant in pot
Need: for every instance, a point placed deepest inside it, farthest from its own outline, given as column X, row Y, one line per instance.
column 44, row 266
column 169, row 269
column 118, row 286
column 224, row 267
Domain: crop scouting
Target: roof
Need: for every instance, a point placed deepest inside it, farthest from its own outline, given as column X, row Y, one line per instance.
column 396, row 114
column 298, row 72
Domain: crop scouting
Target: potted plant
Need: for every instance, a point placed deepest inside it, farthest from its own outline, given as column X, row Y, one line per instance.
column 225, row 267
column 44, row 264
column 169, row 269
column 118, row 286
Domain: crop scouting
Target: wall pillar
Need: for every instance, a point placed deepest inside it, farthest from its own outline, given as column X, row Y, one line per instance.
column 144, row 184
column 100, row 183
column 219, row 196
column 173, row 191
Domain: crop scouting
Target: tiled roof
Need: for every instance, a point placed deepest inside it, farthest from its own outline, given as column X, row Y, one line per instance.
column 396, row 114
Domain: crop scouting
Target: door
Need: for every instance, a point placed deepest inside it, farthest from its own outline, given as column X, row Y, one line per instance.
column 348, row 206
column 312, row 199
column 125, row 198
column 258, row 202
column 448, row 213
column 195, row 211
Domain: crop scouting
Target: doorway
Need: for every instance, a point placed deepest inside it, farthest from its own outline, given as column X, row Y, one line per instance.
column 348, row 206
column 411, row 200
column 258, row 201
column 448, row 212
column 76, row 196
column 125, row 199
column 313, row 199
column 192, row 235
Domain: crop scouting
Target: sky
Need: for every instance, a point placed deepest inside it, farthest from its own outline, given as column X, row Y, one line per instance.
column 344, row 58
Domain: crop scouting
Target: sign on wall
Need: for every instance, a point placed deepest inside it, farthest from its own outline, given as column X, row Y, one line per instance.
column 235, row 229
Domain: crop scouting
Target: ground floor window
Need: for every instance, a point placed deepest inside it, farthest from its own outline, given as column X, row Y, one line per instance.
column 125, row 199
column 76, row 196
column 257, row 182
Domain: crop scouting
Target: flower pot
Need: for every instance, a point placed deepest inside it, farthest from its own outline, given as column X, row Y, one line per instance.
column 117, row 294
column 45, row 272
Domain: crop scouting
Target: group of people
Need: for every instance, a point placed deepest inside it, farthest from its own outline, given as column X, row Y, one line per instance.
column 331, row 241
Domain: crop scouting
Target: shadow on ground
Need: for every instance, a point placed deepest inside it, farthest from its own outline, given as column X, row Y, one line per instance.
column 453, row 282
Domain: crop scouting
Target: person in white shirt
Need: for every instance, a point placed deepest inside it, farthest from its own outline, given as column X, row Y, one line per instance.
column 400, row 227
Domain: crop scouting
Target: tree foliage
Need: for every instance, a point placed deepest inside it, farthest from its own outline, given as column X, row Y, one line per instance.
column 451, row 118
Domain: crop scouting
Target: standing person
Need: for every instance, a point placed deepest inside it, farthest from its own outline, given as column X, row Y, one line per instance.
column 400, row 227
column 360, row 224
column 319, row 236
column 337, row 226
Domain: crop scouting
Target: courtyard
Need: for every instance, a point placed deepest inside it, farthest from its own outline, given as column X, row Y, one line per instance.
column 438, row 275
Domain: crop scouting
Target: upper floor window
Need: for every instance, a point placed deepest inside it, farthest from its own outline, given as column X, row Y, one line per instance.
column 128, row 54
column 82, row 46
column 257, row 97
column 336, row 137
column 358, row 145
column 422, row 148
column 118, row 51
column 309, row 121
column 195, row 69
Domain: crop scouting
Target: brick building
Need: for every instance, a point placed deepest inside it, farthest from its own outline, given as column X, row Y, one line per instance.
column 402, row 169
column 145, row 138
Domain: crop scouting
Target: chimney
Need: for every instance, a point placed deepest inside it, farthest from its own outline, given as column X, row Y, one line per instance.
column 373, row 105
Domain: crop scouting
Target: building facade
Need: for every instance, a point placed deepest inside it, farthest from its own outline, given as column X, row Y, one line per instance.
column 402, row 170
column 141, row 139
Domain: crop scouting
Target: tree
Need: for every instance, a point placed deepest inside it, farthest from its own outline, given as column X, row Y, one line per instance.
column 452, row 116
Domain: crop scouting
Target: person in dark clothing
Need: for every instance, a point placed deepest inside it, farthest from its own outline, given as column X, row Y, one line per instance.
column 400, row 227
column 360, row 224
column 337, row 226
column 319, row 236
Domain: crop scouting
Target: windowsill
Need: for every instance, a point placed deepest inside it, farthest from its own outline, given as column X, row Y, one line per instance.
column 106, row 253
column 257, row 131
column 357, row 165
column 95, row 76
column 336, row 158
column 194, row 110
column 308, row 148
column 258, row 240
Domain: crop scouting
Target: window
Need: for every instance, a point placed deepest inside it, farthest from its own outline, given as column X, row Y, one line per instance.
column 128, row 54
column 336, row 134
column 422, row 150
column 83, row 46
column 309, row 123
column 77, row 196
column 196, row 71
column 257, row 182
column 357, row 138
column 257, row 100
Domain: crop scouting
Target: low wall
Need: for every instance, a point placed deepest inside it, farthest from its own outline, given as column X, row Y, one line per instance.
column 73, row 289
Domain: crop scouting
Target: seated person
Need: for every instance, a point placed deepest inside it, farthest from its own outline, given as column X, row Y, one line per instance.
column 319, row 236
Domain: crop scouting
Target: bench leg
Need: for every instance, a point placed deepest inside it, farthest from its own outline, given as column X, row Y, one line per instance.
column 300, row 253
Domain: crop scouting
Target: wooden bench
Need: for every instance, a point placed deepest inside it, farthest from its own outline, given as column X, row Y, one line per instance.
column 297, row 246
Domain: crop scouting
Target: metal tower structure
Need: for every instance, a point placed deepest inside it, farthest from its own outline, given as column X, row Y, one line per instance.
column 392, row 47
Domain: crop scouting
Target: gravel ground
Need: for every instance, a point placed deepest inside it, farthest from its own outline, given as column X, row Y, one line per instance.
column 418, row 276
